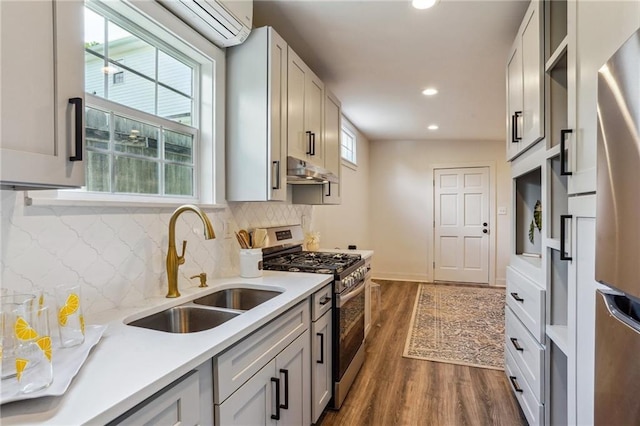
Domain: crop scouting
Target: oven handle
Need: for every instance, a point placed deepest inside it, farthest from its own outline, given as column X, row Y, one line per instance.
column 346, row 297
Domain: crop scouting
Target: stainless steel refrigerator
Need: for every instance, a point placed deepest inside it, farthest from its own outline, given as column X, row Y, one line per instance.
column 617, row 352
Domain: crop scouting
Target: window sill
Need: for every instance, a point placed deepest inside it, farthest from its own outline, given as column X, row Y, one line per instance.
column 74, row 198
column 349, row 164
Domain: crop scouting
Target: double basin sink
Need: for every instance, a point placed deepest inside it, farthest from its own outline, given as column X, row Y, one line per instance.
column 206, row 312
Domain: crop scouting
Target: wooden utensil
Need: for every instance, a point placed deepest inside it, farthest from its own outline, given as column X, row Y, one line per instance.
column 246, row 237
column 243, row 243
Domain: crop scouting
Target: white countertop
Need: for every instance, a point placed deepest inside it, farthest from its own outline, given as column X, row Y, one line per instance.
column 129, row 364
column 366, row 254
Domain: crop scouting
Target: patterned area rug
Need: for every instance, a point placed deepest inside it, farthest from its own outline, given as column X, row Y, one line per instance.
column 459, row 325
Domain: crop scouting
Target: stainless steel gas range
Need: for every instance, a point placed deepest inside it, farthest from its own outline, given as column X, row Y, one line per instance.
column 284, row 253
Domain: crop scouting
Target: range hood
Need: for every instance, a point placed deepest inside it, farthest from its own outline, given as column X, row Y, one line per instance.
column 300, row 171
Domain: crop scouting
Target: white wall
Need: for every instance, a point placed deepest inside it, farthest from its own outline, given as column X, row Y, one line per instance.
column 348, row 223
column 400, row 184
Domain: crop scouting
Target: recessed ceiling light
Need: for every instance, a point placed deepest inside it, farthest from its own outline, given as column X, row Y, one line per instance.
column 430, row 91
column 423, row 4
column 433, row 127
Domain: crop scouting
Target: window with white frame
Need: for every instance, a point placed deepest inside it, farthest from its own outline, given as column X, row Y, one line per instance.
column 143, row 129
column 348, row 143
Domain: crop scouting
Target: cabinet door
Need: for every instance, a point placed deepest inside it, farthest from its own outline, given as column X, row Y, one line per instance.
column 292, row 367
column 321, row 380
column 42, row 68
column 305, row 112
column 298, row 140
column 178, row 404
column 532, row 77
column 332, row 147
column 603, row 28
column 314, row 113
column 514, row 101
column 278, row 108
column 253, row 403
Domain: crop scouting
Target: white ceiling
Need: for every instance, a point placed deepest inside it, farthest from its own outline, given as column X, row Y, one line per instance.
column 377, row 57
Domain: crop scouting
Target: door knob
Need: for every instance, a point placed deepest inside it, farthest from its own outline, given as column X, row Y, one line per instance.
column 484, row 231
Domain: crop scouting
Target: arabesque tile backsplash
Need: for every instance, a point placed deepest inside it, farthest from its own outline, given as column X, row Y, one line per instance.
column 118, row 254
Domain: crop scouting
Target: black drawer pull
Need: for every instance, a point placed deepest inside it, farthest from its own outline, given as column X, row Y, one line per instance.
column 515, row 384
column 277, row 382
column 516, row 345
column 518, row 298
column 321, row 360
column 324, row 300
column 563, row 152
column 563, row 236
column 286, row 389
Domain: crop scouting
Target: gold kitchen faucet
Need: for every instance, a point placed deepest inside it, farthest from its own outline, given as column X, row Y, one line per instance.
column 173, row 260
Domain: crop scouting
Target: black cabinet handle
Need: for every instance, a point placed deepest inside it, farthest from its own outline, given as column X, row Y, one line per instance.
column 563, row 232
column 276, row 380
column 516, row 345
column 325, row 300
column 313, row 143
column 563, row 158
column 518, row 298
column 310, row 150
column 328, row 194
column 485, row 231
column 514, row 138
column 77, row 104
column 276, row 173
column 285, row 406
column 515, row 385
column 321, row 360
column 516, row 115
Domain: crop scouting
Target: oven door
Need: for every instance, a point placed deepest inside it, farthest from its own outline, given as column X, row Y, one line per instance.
column 350, row 315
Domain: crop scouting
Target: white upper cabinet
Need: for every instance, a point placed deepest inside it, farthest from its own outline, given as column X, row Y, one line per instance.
column 326, row 193
column 305, row 112
column 42, row 84
column 603, row 28
column 525, row 84
column 257, row 118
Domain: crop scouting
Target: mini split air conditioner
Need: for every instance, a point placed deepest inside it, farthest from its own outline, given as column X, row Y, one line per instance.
column 224, row 22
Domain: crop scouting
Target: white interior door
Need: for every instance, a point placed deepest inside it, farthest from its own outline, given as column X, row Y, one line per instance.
column 461, row 226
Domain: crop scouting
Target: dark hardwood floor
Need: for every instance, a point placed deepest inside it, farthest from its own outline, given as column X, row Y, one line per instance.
column 392, row 390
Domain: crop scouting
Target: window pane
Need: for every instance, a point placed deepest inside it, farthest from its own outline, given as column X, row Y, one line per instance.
column 134, row 91
column 174, row 73
column 97, row 129
column 135, row 176
column 178, row 180
column 134, row 137
column 178, row 147
column 93, row 31
column 93, row 75
column 131, row 51
column 98, row 172
column 174, row 106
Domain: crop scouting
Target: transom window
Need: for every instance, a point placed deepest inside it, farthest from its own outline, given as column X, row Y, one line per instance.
column 348, row 145
column 142, row 130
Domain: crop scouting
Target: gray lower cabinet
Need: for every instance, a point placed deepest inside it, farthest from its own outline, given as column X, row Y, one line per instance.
column 266, row 377
column 277, row 394
column 188, row 401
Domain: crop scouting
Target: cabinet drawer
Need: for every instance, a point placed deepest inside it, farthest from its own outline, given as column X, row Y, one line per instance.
column 527, row 301
column 321, row 302
column 526, row 352
column 237, row 364
column 531, row 407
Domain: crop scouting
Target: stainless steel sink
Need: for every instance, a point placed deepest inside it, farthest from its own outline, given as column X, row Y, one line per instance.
column 241, row 299
column 185, row 319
